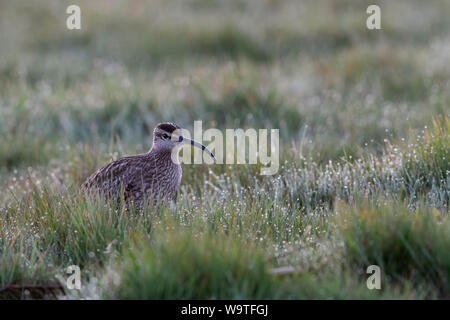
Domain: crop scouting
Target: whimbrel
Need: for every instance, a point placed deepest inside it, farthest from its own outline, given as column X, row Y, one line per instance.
column 153, row 175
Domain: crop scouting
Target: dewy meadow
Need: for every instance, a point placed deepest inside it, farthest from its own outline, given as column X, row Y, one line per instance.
column 331, row 140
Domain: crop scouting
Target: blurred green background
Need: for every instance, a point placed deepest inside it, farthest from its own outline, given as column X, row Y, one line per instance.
column 310, row 68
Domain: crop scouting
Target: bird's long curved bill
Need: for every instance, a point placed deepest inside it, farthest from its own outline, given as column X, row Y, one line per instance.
column 196, row 144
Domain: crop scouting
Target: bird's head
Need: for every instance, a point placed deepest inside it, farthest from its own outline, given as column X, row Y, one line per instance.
column 167, row 136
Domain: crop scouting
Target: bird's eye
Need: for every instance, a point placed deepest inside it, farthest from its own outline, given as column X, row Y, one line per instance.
column 165, row 136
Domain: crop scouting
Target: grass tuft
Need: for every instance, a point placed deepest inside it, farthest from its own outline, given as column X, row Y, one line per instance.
column 408, row 246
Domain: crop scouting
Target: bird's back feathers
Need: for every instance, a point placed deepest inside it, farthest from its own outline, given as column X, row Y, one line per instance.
column 151, row 175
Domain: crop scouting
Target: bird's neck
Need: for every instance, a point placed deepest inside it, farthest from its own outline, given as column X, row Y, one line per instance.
column 163, row 155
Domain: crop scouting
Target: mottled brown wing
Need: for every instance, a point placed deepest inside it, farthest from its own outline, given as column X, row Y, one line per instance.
column 143, row 180
column 116, row 177
column 152, row 175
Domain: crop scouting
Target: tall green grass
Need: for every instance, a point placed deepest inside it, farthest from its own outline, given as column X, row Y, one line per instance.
column 227, row 231
column 408, row 246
